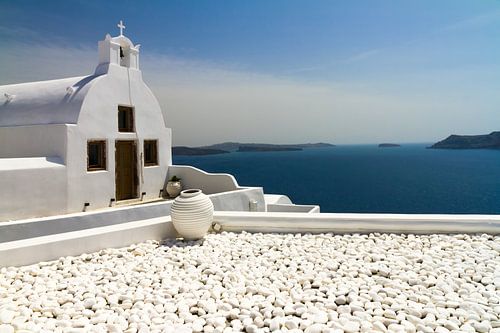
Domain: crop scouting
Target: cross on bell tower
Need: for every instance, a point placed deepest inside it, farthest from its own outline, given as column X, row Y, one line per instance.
column 121, row 26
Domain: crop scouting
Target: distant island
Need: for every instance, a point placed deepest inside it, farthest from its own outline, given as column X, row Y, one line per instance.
column 265, row 148
column 226, row 147
column 235, row 146
column 388, row 145
column 189, row 151
column 486, row 141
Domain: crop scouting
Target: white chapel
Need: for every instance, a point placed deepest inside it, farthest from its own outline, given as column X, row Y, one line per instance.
column 84, row 142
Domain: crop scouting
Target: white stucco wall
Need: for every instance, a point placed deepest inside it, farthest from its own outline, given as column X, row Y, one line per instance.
column 46, row 246
column 291, row 208
column 99, row 120
column 33, row 141
column 46, row 226
column 33, row 177
column 31, row 187
column 340, row 223
column 209, row 183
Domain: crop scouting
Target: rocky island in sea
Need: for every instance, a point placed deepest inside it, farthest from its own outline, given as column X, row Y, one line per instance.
column 226, row 147
column 256, row 148
column 190, row 151
column 235, row 146
column 388, row 145
column 486, row 141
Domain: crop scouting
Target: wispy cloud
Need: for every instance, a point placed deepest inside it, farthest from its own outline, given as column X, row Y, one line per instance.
column 19, row 32
column 363, row 55
column 473, row 22
column 306, row 69
column 21, row 35
column 35, row 61
column 464, row 24
column 208, row 102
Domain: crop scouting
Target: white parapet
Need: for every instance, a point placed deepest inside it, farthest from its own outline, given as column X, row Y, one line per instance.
column 357, row 223
column 52, row 246
column 277, row 199
column 45, row 248
column 292, row 208
column 209, row 183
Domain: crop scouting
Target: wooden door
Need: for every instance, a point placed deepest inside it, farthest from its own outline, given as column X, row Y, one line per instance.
column 126, row 170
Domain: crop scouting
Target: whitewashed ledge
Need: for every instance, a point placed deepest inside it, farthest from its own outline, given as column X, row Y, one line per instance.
column 32, row 250
column 357, row 223
column 51, row 247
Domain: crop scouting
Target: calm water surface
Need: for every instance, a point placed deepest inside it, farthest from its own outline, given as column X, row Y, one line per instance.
column 408, row 179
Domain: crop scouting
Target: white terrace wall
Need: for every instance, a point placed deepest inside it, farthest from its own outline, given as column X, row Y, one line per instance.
column 32, row 172
column 209, row 183
column 32, row 187
column 38, row 227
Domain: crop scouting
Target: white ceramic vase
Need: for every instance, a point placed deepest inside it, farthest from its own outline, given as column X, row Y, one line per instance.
column 192, row 214
column 173, row 188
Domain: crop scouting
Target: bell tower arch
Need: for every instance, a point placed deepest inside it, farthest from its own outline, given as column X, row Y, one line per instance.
column 118, row 51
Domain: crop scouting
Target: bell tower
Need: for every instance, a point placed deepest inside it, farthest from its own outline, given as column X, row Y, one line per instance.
column 117, row 51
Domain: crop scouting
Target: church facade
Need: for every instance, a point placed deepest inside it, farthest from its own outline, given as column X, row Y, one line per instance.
column 82, row 143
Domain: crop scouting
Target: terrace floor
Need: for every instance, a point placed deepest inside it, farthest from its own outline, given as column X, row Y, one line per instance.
column 232, row 282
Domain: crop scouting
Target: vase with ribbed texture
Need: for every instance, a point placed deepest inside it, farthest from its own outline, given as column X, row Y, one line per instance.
column 192, row 214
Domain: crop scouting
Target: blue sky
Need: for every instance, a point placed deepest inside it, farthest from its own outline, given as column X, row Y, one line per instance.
column 282, row 71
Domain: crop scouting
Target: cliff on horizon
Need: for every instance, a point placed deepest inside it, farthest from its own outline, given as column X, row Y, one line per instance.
column 486, row 141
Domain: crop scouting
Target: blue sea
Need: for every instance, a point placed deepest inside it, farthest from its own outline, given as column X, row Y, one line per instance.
column 365, row 178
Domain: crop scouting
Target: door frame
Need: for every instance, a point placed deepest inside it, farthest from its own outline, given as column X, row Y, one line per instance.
column 135, row 169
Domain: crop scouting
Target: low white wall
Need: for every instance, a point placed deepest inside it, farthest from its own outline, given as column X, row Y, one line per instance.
column 357, row 223
column 277, row 199
column 239, row 200
column 38, row 227
column 31, row 228
column 209, row 183
column 32, row 187
column 33, row 250
column 53, row 246
column 291, row 208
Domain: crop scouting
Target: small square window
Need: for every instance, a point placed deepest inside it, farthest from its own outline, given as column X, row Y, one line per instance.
column 150, row 152
column 125, row 119
column 96, row 155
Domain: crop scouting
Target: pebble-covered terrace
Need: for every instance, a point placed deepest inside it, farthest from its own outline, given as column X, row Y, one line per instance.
column 244, row 282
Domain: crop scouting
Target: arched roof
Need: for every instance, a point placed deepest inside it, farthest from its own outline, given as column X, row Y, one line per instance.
column 122, row 40
column 44, row 102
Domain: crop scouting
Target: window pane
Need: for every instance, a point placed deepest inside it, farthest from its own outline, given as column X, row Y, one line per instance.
column 122, row 120
column 93, row 154
column 150, row 152
column 96, row 155
column 125, row 119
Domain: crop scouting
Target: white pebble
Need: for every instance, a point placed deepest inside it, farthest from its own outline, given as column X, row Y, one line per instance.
column 6, row 316
column 4, row 328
